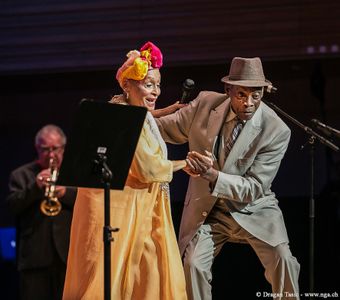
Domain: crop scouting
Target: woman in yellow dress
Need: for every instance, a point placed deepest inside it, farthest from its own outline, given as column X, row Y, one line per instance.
column 145, row 260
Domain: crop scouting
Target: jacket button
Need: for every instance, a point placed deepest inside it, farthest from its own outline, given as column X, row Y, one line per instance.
column 204, row 214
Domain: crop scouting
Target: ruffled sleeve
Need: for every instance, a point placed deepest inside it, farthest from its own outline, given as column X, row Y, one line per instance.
column 148, row 165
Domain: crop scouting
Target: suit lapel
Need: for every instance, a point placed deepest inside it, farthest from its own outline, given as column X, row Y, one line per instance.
column 251, row 129
column 215, row 122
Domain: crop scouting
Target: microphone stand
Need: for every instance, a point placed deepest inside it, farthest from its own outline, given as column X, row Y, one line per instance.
column 313, row 136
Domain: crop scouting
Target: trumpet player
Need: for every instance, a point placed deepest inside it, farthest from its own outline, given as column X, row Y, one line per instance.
column 42, row 237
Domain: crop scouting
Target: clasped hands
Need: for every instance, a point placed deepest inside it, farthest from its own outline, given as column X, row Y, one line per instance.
column 201, row 165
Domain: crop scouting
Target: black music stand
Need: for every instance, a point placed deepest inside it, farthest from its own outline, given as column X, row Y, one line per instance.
column 98, row 154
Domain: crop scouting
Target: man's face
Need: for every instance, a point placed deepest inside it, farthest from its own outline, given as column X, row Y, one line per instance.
column 245, row 100
column 50, row 145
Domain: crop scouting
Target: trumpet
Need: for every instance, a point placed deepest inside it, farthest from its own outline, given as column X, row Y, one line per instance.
column 51, row 206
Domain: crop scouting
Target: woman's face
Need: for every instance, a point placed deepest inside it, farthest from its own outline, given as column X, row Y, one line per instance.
column 144, row 92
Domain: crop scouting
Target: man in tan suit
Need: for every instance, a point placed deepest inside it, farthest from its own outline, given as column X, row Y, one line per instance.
column 236, row 146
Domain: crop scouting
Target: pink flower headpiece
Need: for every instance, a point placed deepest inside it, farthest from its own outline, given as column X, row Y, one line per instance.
column 139, row 62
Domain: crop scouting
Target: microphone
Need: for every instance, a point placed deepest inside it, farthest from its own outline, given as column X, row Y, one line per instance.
column 188, row 86
column 270, row 89
column 87, row 99
column 328, row 130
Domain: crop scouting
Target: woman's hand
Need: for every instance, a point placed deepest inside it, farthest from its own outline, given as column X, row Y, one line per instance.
column 202, row 165
column 157, row 113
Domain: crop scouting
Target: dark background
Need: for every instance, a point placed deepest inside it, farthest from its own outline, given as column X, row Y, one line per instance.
column 55, row 53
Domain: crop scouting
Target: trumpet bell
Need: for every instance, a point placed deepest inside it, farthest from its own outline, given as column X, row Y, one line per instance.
column 50, row 207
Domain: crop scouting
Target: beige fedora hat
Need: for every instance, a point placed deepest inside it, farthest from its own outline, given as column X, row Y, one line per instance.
column 246, row 72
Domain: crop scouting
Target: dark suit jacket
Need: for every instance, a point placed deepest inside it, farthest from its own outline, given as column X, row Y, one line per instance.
column 39, row 238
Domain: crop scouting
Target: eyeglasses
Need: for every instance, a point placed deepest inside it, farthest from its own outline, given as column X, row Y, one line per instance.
column 54, row 149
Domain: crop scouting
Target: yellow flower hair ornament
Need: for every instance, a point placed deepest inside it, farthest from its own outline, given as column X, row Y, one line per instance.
column 138, row 63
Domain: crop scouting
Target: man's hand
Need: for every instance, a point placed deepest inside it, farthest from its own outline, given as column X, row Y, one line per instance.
column 202, row 165
column 189, row 169
column 42, row 181
column 42, row 178
column 60, row 191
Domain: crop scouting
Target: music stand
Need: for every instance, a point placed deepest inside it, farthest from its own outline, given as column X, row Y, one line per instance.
column 98, row 154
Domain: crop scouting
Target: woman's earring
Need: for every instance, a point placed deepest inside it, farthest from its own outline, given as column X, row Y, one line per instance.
column 127, row 95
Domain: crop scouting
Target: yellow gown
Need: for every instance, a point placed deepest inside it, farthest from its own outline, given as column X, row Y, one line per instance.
column 145, row 260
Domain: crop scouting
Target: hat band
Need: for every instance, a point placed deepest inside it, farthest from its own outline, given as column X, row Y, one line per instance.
column 246, row 77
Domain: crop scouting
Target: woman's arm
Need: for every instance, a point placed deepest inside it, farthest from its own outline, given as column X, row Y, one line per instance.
column 178, row 164
column 157, row 113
